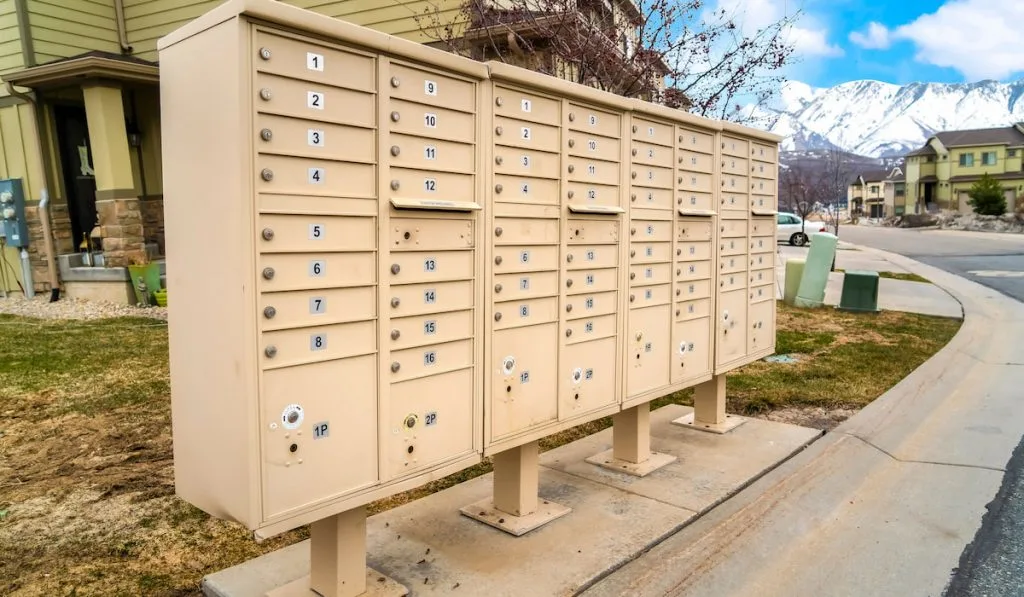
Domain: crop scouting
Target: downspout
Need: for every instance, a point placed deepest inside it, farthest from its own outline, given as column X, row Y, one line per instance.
column 44, row 202
column 122, row 29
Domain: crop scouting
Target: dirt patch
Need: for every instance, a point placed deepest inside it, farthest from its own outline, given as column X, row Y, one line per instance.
column 825, row 419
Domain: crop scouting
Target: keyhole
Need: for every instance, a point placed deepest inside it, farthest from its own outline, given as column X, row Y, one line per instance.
column 577, row 397
column 410, row 449
column 292, row 417
column 293, row 447
column 508, row 388
column 406, row 236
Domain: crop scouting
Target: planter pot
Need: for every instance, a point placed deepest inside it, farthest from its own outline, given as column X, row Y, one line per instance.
column 145, row 281
column 161, row 297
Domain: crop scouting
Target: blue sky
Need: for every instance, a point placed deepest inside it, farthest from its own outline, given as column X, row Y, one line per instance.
column 899, row 41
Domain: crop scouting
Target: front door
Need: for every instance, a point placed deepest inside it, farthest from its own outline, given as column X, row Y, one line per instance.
column 76, row 169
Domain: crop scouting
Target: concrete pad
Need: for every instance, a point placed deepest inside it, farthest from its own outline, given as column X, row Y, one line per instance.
column 377, row 585
column 260, row 575
column 485, row 512
column 655, row 460
column 710, row 467
column 731, row 422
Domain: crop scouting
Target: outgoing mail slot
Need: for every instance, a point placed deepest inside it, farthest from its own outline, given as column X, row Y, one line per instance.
column 648, row 335
column 417, row 299
column 591, row 304
column 515, row 287
column 591, row 280
column 762, row 244
column 440, row 410
column 283, row 348
column 694, row 201
column 733, row 228
column 691, row 354
column 598, row 122
column 432, row 328
column 693, row 290
column 760, row 327
column 762, row 226
column 592, row 171
column 645, row 274
column 524, row 385
column 516, row 103
column 734, row 202
column 732, row 146
column 763, row 153
column 650, row 230
column 763, row 170
column 432, row 359
column 431, row 154
column 648, row 296
column 315, row 101
column 425, row 87
column 592, row 231
column 652, row 132
column 299, row 308
column 593, row 147
column 691, row 230
column 319, row 140
column 418, row 234
column 591, row 256
column 650, row 252
column 301, row 271
column 695, row 140
column 734, row 165
column 291, row 234
column 732, row 246
column 694, row 181
column 303, row 60
column 434, row 122
column 515, row 161
column 522, row 231
column 415, row 266
column 694, row 309
column 654, row 155
column 427, row 184
column 509, row 132
column 734, row 183
column 593, row 194
column 692, row 161
column 309, row 176
column 520, row 258
column 732, row 264
column 515, row 314
column 763, row 203
column 732, row 326
column 587, row 377
column 651, row 177
column 589, row 328
column 693, row 251
column 765, row 292
column 694, row 270
column 762, row 261
column 728, row 282
column 525, row 190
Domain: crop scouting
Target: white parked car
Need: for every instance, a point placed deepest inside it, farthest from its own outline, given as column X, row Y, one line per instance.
column 795, row 231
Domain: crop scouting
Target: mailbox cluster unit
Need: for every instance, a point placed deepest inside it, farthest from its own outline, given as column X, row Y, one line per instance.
column 389, row 261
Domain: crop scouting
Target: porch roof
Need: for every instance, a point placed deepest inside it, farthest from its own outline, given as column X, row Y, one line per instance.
column 90, row 65
column 929, row 178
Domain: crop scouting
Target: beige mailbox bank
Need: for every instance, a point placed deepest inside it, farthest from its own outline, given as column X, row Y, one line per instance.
column 389, row 262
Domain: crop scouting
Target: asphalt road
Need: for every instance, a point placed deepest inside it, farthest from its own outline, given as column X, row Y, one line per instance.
column 993, row 564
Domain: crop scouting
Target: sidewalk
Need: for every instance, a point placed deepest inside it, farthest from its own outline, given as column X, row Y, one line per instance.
column 883, row 505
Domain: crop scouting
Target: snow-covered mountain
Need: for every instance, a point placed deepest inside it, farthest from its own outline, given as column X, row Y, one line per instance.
column 881, row 119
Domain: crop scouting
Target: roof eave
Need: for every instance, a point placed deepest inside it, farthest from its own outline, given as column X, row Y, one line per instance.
column 74, row 70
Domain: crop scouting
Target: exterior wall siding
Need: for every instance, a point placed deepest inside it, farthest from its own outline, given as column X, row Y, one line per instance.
column 63, row 28
column 11, row 58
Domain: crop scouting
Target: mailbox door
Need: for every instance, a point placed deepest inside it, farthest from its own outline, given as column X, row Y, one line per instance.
column 732, row 326
column 647, row 341
column 587, row 381
column 692, row 343
column 524, row 379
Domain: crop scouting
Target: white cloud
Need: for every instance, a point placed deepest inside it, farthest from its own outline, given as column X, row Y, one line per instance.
column 979, row 38
column 808, row 37
column 875, row 38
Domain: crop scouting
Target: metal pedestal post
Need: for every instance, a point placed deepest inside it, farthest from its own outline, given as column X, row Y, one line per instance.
column 631, row 444
column 709, row 409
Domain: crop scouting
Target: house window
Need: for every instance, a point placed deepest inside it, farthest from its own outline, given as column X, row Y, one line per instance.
column 966, row 160
column 1011, row 153
column 874, row 189
column 931, row 158
column 988, row 158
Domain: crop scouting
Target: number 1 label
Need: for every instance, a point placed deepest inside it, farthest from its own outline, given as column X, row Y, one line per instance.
column 314, row 62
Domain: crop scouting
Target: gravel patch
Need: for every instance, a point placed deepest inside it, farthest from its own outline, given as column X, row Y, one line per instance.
column 69, row 308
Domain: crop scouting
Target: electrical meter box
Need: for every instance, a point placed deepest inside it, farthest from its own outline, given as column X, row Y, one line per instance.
column 13, row 227
column 324, row 223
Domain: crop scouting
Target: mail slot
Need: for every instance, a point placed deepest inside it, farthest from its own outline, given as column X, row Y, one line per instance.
column 315, row 101
column 591, row 256
column 589, row 328
column 311, row 62
column 734, row 183
column 693, row 251
column 652, row 132
column 514, row 287
column 732, row 146
column 306, row 233
column 650, row 230
column 590, row 120
column 654, row 155
column 694, row 140
column 525, row 134
column 732, row 264
column 301, row 271
column 694, row 201
column 732, row 246
column 593, row 194
column 592, row 146
column 582, row 231
column 727, row 282
column 691, row 343
column 651, row 177
column 513, row 314
column 765, row 153
column 426, row 87
column 763, row 203
column 650, row 252
column 431, row 421
column 762, row 293
column 587, row 377
column 591, row 280
column 762, row 260
column 648, row 198
column 691, row 230
column 734, row 202
column 525, row 190
column 520, row 104
column 524, row 385
column 312, row 139
column 283, row 348
column 313, row 176
column 763, row 170
column 762, row 244
column 430, row 121
column 418, row 234
column 734, row 165
column 416, row 266
column 432, row 359
column 432, row 328
column 645, row 274
column 589, row 171
column 647, row 346
column 427, row 184
column 693, row 161
column 300, row 308
column 733, row 228
column 590, row 304
column 694, row 181
column 515, row 161
column 529, row 258
column 521, row 231
column 761, row 327
column 694, row 270
column 693, row 290
column 732, row 326
column 647, row 296
column 694, row 309
column 417, row 299
column 431, row 154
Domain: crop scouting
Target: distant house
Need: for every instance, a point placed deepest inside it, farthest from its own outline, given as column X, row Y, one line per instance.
column 878, row 193
column 940, row 173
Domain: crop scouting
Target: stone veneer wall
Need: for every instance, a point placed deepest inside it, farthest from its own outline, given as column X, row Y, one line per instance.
column 121, row 229
column 153, row 220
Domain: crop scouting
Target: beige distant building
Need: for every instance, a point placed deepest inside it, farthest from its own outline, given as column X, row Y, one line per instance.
column 878, row 193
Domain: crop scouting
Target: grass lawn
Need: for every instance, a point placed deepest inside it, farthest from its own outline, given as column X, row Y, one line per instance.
column 904, row 276
column 86, row 478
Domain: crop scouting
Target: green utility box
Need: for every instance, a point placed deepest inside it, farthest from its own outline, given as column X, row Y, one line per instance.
column 860, row 291
column 794, row 273
column 818, row 265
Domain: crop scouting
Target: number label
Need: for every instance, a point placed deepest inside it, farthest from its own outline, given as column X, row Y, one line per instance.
column 315, row 137
column 524, row 283
column 429, row 264
column 524, row 377
column 316, row 231
column 650, row 131
column 690, row 308
column 524, row 310
column 693, row 161
column 526, row 161
column 316, row 175
column 429, row 327
column 318, row 342
column 525, row 132
column 429, row 358
column 592, row 169
column 650, row 229
column 592, row 120
column 430, row 120
column 649, row 272
column 693, row 250
column 317, row 305
column 526, row 105
column 321, row 430
column 317, row 268
column 429, row 87
column 649, row 251
column 650, row 175
column 650, row 197
column 589, row 374
column 524, row 257
column 314, row 62
column 590, row 280
column 591, row 255
column 648, row 294
column 650, row 153
column 430, row 419
column 649, row 347
column 429, row 296
column 692, row 289
column 591, row 194
column 525, row 188
column 430, row 185
column 588, row 327
column 430, row 152
column 693, row 269
column 588, row 303
column 592, row 145
column 315, row 100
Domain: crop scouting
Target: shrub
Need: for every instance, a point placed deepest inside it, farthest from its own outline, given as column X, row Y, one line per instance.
column 986, row 197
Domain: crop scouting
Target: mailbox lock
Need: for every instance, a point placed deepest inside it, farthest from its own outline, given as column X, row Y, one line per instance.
column 570, row 194
column 395, row 334
column 265, row 94
column 395, row 185
column 568, row 333
column 498, row 130
column 395, row 82
column 572, row 143
column 568, row 258
column 634, row 128
column 267, row 174
column 497, row 260
column 572, row 116
column 269, row 312
column 678, row 292
column 268, row 273
column 679, row 271
column 568, row 308
column 679, row 201
column 634, row 151
column 498, row 188
column 633, row 174
column 410, row 421
column 498, row 160
column 497, row 231
column 680, row 159
column 498, row 101
column 394, row 302
column 679, row 251
column 639, row 336
column 268, row 234
column 266, row 135
column 568, row 283
column 632, row 252
column 632, row 197
column 632, row 231
column 265, row 53
column 632, row 275
column 680, row 179
column 395, row 116
column 270, row 351
column 395, row 150
column 395, row 366
column 572, row 168
column 677, row 312
column 497, row 288
column 497, row 316
column 632, row 298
